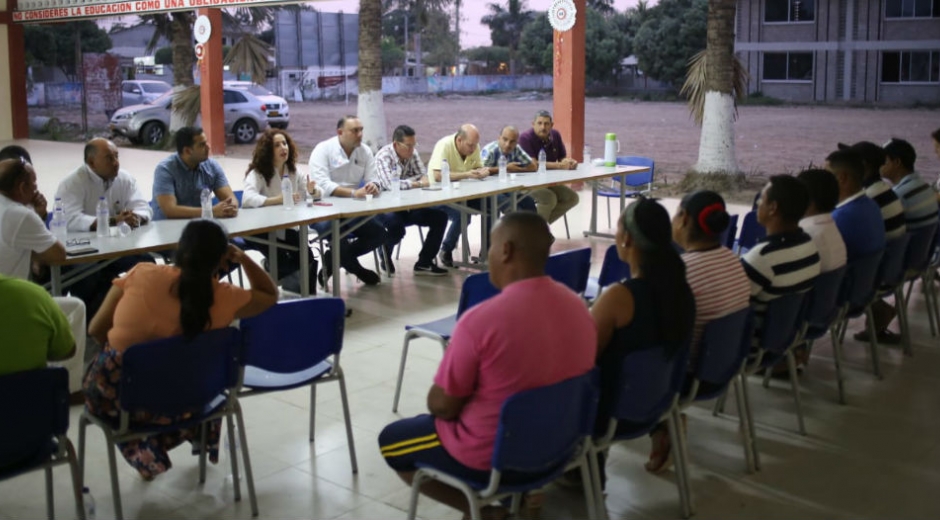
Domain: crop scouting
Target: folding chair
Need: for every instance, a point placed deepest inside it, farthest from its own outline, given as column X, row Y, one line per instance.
column 719, row 362
column 570, row 268
column 281, row 355
column 476, row 288
column 648, row 393
column 612, row 271
column 542, row 432
column 35, row 411
column 170, row 377
column 632, row 183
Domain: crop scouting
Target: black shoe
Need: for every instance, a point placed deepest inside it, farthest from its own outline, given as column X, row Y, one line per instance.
column 885, row 337
column 324, row 276
column 368, row 276
column 429, row 269
column 447, row 259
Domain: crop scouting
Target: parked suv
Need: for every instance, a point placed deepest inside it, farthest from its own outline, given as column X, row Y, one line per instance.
column 278, row 110
column 135, row 92
column 148, row 123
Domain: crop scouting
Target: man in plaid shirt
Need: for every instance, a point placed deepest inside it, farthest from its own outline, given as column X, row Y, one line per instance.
column 400, row 155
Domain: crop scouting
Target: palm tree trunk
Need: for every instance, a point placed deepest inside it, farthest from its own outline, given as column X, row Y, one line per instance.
column 371, row 106
column 716, row 145
column 183, row 61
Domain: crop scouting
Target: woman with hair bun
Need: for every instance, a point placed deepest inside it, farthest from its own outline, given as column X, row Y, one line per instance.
column 160, row 301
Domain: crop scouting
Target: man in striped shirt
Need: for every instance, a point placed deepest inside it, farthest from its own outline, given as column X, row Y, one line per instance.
column 786, row 260
column 892, row 212
column 920, row 203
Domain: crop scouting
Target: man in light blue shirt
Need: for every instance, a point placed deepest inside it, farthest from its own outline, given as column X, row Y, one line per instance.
column 919, row 201
column 179, row 179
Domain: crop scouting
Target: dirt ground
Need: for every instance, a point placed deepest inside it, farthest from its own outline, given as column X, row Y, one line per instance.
column 770, row 139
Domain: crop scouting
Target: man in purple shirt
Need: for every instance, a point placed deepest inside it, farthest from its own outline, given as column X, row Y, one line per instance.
column 551, row 203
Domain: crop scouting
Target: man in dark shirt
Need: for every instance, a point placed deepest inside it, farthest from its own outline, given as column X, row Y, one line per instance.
column 551, row 203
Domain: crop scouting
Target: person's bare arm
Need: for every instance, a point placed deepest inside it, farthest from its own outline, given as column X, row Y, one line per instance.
column 263, row 288
column 444, row 406
column 515, row 167
column 225, row 193
column 224, row 209
column 612, row 310
column 54, row 255
column 100, row 325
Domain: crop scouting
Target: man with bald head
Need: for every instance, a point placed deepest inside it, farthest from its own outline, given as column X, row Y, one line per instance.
column 23, row 234
column 497, row 349
column 101, row 175
column 461, row 150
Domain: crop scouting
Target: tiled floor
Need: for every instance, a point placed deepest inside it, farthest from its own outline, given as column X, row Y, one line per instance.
column 876, row 457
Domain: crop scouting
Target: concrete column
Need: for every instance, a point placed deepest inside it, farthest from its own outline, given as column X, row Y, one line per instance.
column 568, row 81
column 14, row 116
column 210, row 72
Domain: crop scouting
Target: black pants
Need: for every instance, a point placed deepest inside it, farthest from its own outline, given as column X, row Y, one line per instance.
column 395, row 224
column 367, row 237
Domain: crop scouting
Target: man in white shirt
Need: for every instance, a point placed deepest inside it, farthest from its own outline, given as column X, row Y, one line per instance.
column 342, row 167
column 818, row 223
column 101, row 176
column 24, row 239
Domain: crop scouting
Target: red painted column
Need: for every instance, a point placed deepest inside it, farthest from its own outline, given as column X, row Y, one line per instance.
column 210, row 72
column 568, row 106
column 17, row 80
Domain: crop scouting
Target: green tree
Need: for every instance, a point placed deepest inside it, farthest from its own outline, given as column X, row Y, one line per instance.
column 393, row 56
column 439, row 42
column 535, row 45
column 506, row 26
column 672, row 33
column 492, row 57
column 54, row 46
column 163, row 56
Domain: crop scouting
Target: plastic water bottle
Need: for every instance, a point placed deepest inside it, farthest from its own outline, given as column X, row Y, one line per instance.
column 396, row 182
column 89, row 503
column 103, row 217
column 287, row 193
column 542, row 159
column 586, row 155
column 59, row 225
column 302, row 188
column 503, row 168
column 205, row 200
column 445, row 174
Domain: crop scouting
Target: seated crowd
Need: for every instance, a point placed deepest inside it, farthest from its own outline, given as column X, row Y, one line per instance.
column 815, row 222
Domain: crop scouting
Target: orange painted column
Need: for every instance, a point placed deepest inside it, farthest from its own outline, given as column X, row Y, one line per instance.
column 210, row 72
column 16, row 82
column 568, row 105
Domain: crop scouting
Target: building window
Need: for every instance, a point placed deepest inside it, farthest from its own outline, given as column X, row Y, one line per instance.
column 910, row 67
column 793, row 10
column 912, row 8
column 788, row 66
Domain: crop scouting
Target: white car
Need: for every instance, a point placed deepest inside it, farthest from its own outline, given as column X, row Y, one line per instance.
column 138, row 92
column 278, row 110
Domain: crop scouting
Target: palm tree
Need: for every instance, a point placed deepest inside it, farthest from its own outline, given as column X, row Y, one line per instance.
column 371, row 108
column 719, row 78
column 506, row 26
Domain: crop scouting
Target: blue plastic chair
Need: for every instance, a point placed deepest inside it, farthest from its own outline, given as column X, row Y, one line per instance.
column 570, row 268
column 891, row 280
column 916, row 263
column 542, row 432
column 170, row 377
column 649, row 386
column 632, row 184
column 35, row 411
column 729, row 234
column 928, row 276
column 720, row 359
column 751, row 233
column 862, row 282
column 476, row 288
column 783, row 326
column 612, row 271
column 291, row 345
column 826, row 303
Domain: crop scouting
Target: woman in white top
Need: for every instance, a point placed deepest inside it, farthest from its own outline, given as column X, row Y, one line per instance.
column 274, row 157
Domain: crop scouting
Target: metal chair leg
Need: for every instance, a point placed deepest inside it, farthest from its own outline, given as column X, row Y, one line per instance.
column 50, row 499
column 246, row 458
column 750, row 420
column 873, row 343
column 313, row 411
column 795, row 383
column 76, row 480
column 901, row 305
column 348, row 421
column 745, row 431
column 233, row 457
column 837, row 358
column 401, row 372
column 676, row 437
column 115, row 486
column 567, row 231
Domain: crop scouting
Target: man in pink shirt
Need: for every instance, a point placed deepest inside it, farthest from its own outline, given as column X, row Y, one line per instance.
column 536, row 332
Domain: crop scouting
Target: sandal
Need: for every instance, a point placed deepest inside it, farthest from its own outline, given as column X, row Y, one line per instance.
column 661, row 455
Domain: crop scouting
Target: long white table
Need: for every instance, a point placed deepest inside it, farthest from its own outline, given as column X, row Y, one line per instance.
column 164, row 235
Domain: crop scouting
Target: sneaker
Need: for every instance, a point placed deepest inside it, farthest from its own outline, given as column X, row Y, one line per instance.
column 429, row 269
column 447, row 259
column 885, row 337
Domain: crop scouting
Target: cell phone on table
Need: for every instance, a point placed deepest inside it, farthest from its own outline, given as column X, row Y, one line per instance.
column 80, row 250
column 322, row 203
column 432, row 188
